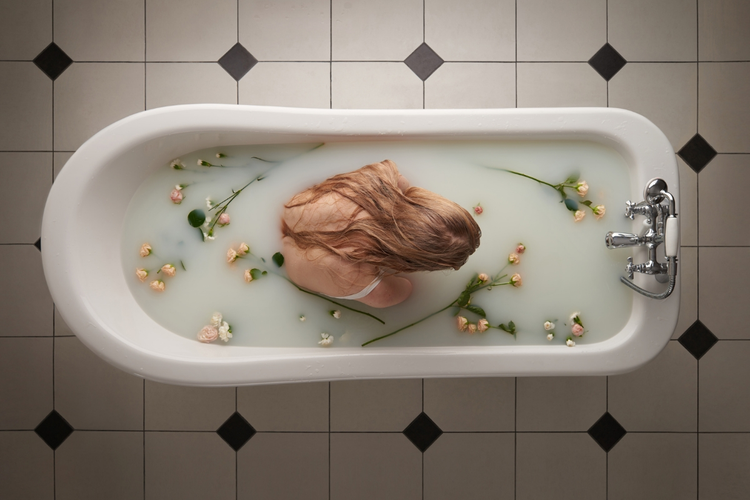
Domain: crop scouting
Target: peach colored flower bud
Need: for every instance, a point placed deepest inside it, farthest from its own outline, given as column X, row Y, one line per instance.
column 521, row 248
column 248, row 276
column 462, row 323
column 472, row 328
column 579, row 215
column 176, row 196
column 208, row 334
column 243, row 249
column 168, row 269
column 145, row 250
column 577, row 330
column 478, row 210
column 157, row 285
column 514, row 259
column 141, row 273
column 223, row 219
column 231, row 255
column 582, row 188
column 483, row 278
column 599, row 211
column 483, row 325
column 516, row 280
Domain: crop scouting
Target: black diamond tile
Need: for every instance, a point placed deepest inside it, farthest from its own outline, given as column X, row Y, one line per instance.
column 54, row 430
column 607, row 62
column 697, row 153
column 423, row 61
column 697, row 339
column 607, row 432
column 422, row 432
column 53, row 61
column 38, row 244
column 236, row 431
column 237, row 61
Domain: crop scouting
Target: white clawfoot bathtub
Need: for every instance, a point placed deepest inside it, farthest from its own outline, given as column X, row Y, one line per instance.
column 85, row 210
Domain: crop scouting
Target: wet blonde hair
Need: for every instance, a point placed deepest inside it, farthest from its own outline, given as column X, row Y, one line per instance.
column 404, row 232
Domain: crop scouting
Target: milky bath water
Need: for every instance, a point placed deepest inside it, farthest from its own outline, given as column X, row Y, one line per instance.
column 566, row 267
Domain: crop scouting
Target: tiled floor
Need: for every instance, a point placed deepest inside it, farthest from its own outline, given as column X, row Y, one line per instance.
column 71, row 426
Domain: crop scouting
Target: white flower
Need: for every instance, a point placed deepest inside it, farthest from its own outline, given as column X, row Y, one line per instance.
column 302, row 318
column 336, row 314
column 574, row 316
column 210, row 237
column 325, row 340
column 216, row 319
column 548, row 325
column 550, row 336
column 209, row 203
column 177, row 164
column 570, row 343
column 225, row 333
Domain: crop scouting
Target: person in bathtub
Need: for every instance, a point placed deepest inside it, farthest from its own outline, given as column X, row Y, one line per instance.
column 351, row 236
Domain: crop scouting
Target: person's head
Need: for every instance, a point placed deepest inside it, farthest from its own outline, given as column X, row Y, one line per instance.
column 417, row 230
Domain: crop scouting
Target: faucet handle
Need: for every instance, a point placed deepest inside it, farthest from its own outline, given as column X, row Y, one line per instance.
column 629, row 212
column 629, row 268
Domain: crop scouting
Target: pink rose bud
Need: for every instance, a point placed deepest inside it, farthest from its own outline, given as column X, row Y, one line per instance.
column 579, row 215
column 248, row 276
column 599, row 211
column 223, row 219
column 462, row 323
column 176, row 196
column 168, row 269
column 145, row 250
column 208, row 334
column 157, row 285
column 231, row 255
column 141, row 273
column 478, row 210
column 483, row 278
column 243, row 249
column 483, row 325
column 582, row 188
column 514, row 259
column 472, row 328
column 577, row 330
column 516, row 280
column 521, row 248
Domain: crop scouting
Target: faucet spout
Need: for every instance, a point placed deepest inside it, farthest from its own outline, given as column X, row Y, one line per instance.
column 621, row 240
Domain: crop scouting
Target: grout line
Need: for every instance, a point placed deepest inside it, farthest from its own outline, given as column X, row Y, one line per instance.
column 516, row 57
column 330, row 105
column 238, row 21
column 515, row 439
column 329, row 441
column 145, row 106
column 144, row 433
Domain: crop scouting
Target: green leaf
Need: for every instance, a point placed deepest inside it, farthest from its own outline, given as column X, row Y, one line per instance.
column 256, row 273
column 572, row 178
column 196, row 218
column 512, row 326
column 183, row 264
column 463, row 299
column 571, row 205
column 278, row 259
column 477, row 310
column 586, row 202
column 503, row 327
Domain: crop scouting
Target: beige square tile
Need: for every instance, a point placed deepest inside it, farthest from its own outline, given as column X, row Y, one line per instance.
column 544, row 30
column 560, row 403
column 26, row 466
column 190, row 30
column 27, row 305
column 688, row 204
column 27, row 178
column 375, row 466
column 88, row 97
column 100, row 30
column 303, row 85
column 92, row 394
column 574, row 460
column 665, row 93
column 724, row 398
column 375, row 405
column 469, row 466
column 471, row 404
column 375, row 85
column 25, row 382
column 60, row 159
column 285, row 407
column 642, row 30
column 26, row 39
column 388, row 30
column 688, row 268
column 26, row 107
column 721, row 291
column 95, row 465
column 723, row 213
column 168, row 84
column 473, row 30
column 305, row 24
column 189, row 465
column 267, row 462
column 653, row 466
column 174, row 407
column 661, row 396
column 722, row 34
column 722, row 466
column 471, row 85
column 724, row 106
column 560, row 84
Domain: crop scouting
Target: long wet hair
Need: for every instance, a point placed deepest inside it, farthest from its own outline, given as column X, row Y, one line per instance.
column 403, row 232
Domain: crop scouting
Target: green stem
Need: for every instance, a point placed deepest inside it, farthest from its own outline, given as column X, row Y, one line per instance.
column 555, row 187
column 409, row 326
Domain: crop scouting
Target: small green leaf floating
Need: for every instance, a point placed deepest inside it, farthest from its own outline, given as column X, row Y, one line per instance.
column 256, row 273
column 476, row 310
column 278, row 259
column 196, row 218
column 571, row 205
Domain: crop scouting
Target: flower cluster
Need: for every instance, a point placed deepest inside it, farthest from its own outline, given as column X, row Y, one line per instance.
column 217, row 329
column 233, row 255
column 576, row 329
column 142, row 273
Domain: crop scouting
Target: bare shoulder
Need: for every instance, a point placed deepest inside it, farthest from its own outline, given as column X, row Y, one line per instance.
column 389, row 292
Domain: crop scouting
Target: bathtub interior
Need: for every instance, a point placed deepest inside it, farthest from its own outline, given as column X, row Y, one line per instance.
column 104, row 174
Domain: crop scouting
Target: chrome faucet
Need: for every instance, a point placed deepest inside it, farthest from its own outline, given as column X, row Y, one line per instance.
column 662, row 227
